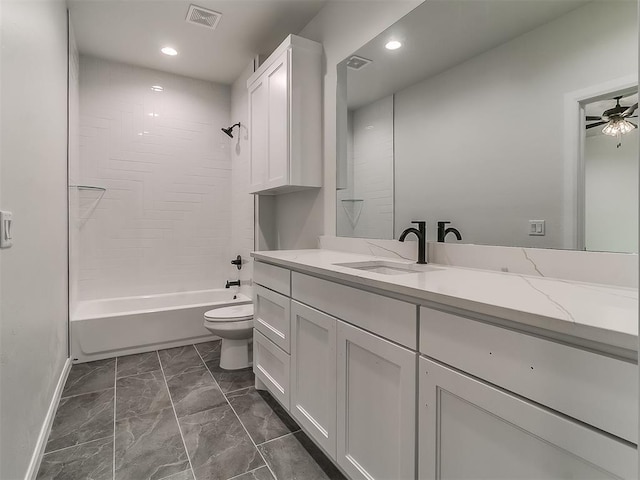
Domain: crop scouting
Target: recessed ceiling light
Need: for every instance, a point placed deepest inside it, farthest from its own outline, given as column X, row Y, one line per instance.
column 393, row 45
column 169, row 51
column 157, row 88
column 154, row 114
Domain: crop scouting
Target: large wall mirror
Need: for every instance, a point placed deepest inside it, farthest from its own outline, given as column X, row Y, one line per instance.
column 515, row 120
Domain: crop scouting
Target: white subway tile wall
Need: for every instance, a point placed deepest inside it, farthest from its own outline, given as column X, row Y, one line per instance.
column 370, row 174
column 164, row 223
column 242, row 206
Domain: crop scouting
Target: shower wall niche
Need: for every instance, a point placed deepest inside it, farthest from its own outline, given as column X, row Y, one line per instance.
column 152, row 140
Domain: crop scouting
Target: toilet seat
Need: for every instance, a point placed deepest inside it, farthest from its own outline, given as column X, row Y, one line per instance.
column 234, row 313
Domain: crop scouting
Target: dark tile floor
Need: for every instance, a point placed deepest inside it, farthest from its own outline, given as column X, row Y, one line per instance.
column 175, row 415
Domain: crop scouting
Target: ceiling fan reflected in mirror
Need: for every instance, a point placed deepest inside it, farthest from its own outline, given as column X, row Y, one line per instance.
column 615, row 120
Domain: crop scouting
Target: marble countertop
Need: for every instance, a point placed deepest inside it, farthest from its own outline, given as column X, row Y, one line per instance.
column 599, row 313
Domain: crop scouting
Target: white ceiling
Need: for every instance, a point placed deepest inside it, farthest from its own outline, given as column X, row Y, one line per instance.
column 439, row 34
column 133, row 31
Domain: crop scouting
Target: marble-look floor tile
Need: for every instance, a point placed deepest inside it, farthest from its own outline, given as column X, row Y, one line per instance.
column 209, row 350
column 90, row 377
column 295, row 457
column 218, row 445
column 261, row 473
column 180, row 360
column 194, row 392
column 82, row 418
column 137, row 364
column 89, row 461
column 231, row 380
column 139, row 394
column 261, row 415
column 186, row 475
column 149, row 446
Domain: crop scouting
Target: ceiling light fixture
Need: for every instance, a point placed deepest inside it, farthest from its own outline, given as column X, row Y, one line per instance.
column 157, row 88
column 393, row 45
column 619, row 126
column 169, row 51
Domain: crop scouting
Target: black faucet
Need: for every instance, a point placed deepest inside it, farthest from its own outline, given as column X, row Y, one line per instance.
column 421, row 233
column 235, row 283
column 443, row 232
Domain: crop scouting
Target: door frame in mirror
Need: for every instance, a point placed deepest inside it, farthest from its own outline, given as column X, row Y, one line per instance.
column 574, row 171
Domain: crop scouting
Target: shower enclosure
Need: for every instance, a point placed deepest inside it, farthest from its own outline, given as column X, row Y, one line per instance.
column 150, row 175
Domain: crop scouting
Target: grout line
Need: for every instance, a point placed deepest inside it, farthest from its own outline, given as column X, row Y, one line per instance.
column 250, row 471
column 115, row 400
column 281, row 436
column 238, row 417
column 238, row 390
column 136, row 374
column 76, row 445
column 86, row 393
column 184, row 444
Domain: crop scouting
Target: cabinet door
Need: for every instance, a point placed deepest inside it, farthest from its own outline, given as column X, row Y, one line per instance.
column 376, row 406
column 469, row 429
column 258, row 133
column 277, row 82
column 313, row 374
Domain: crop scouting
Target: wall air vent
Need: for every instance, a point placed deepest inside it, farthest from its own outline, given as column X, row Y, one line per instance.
column 203, row 17
column 356, row 63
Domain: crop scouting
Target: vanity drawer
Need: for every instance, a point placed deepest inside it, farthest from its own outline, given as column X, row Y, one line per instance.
column 271, row 365
column 272, row 277
column 272, row 316
column 390, row 318
column 596, row 389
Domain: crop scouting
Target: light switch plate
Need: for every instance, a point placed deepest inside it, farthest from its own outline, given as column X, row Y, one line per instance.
column 6, row 224
column 536, row 227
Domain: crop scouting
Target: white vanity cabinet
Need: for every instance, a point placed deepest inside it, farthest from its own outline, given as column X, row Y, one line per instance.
column 376, row 406
column 285, row 119
column 391, row 389
column 470, row 429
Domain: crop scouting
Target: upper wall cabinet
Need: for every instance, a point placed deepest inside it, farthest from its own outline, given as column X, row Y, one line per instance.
column 285, row 119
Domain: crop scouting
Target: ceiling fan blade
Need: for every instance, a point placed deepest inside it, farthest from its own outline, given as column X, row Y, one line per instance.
column 593, row 119
column 596, row 124
column 636, row 126
column 629, row 111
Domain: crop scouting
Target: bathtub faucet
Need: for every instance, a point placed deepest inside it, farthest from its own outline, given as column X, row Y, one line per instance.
column 235, row 283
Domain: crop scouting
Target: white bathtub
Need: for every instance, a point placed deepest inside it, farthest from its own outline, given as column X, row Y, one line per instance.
column 126, row 325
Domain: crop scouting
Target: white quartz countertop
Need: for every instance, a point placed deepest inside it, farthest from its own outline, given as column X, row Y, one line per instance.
column 599, row 313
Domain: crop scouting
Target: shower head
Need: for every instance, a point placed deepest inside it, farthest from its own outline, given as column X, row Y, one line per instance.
column 230, row 129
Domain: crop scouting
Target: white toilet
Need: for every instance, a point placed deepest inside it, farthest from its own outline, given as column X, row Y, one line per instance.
column 235, row 326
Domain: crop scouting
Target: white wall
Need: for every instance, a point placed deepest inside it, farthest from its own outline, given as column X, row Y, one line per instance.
column 164, row 224
column 342, row 28
column 611, row 193
column 74, row 168
column 242, row 218
column 33, row 179
column 482, row 145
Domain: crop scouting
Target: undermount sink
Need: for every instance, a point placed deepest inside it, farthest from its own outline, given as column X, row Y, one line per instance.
column 387, row 267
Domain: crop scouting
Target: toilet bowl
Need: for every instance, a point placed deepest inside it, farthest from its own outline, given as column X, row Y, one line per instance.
column 234, row 325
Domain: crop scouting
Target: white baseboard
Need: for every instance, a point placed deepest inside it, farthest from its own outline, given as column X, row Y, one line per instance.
column 38, row 452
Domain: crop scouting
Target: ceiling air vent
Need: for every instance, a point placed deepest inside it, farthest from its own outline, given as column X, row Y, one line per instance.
column 203, row 17
column 356, row 63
